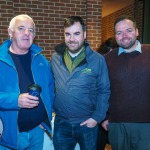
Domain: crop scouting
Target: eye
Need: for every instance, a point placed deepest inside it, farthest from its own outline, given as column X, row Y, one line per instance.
column 21, row 28
column 129, row 30
column 31, row 30
column 67, row 34
column 118, row 33
column 77, row 33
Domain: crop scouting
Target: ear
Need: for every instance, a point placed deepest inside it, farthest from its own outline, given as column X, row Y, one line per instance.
column 34, row 36
column 10, row 32
column 84, row 34
column 137, row 32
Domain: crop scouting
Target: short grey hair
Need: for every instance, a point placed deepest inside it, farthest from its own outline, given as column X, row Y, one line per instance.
column 13, row 21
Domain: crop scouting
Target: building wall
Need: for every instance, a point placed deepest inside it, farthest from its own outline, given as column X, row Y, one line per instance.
column 108, row 21
column 49, row 18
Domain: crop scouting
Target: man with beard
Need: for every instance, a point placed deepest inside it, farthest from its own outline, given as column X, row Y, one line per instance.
column 82, row 89
column 129, row 72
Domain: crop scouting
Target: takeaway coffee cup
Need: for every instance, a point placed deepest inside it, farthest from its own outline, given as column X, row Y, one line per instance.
column 34, row 90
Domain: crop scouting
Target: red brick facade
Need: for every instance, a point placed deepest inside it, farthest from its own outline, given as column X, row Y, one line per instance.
column 49, row 18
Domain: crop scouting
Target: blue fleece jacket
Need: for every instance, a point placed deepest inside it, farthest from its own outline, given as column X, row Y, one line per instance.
column 9, row 91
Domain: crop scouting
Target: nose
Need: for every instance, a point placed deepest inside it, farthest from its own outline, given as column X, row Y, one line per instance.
column 26, row 31
column 71, row 37
column 124, row 34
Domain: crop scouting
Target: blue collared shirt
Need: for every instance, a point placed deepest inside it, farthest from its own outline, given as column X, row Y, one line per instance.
column 138, row 48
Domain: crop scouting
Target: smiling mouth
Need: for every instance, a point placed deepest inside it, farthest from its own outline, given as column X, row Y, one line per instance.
column 126, row 39
column 72, row 44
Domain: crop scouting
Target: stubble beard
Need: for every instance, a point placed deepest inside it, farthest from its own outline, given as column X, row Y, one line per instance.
column 131, row 43
column 74, row 50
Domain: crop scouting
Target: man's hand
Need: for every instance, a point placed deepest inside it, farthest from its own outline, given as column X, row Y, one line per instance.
column 27, row 101
column 89, row 123
column 104, row 124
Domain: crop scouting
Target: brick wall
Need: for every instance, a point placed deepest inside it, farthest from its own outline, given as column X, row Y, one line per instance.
column 108, row 21
column 49, row 18
column 94, row 19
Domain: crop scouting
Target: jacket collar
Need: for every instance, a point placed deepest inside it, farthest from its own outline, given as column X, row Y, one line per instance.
column 4, row 48
column 61, row 47
column 137, row 48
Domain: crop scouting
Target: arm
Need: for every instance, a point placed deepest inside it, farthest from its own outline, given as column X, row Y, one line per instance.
column 105, row 124
column 103, row 92
column 9, row 101
column 14, row 101
column 51, row 86
column 103, row 86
